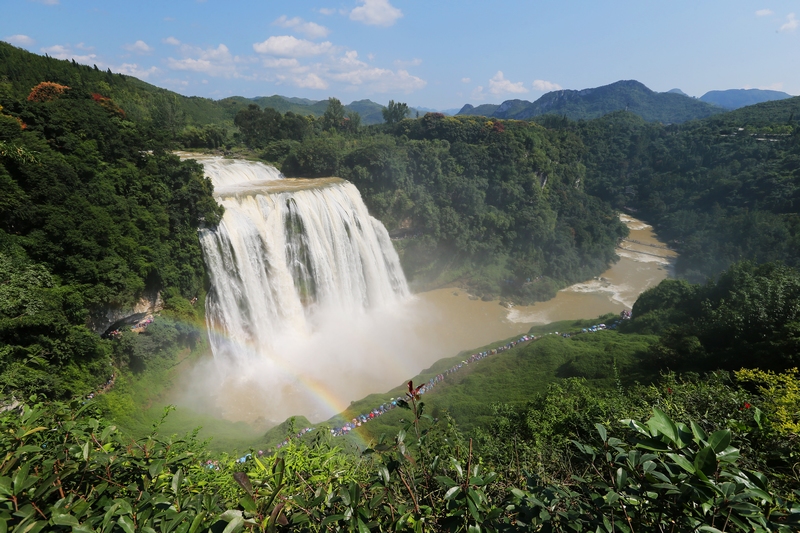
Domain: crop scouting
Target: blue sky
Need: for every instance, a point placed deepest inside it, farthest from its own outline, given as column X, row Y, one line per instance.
column 437, row 54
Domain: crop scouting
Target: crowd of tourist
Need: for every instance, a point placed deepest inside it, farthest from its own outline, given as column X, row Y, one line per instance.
column 392, row 403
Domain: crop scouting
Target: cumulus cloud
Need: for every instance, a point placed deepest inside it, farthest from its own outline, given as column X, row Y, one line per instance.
column 376, row 13
column 764, row 12
column 500, row 85
column 405, row 64
column 212, row 61
column 791, row 23
column 312, row 30
column 777, row 86
column 19, row 40
column 172, row 40
column 288, row 46
column 60, row 51
column 546, row 86
column 465, row 80
column 139, row 47
column 478, row 93
column 132, row 69
column 327, row 10
column 283, row 62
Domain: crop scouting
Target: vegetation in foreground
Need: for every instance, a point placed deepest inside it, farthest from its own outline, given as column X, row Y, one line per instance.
column 686, row 452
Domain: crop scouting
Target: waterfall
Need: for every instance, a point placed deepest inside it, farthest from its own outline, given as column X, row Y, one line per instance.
column 289, row 258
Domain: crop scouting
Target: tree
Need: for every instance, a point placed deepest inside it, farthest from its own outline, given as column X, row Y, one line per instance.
column 333, row 118
column 395, row 112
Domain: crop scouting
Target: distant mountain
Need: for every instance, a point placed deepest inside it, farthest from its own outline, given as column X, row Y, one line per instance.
column 736, row 98
column 586, row 104
column 678, row 91
column 775, row 112
column 485, row 110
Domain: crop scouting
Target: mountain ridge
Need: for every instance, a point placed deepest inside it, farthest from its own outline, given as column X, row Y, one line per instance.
column 595, row 102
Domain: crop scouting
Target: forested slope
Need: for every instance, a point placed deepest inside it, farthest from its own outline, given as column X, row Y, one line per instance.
column 93, row 212
column 722, row 189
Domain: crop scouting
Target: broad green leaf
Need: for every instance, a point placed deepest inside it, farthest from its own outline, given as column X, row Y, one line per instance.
column 682, row 462
column 177, row 481
column 234, row 525
column 706, row 461
column 452, row 493
column 197, row 522
column 64, row 520
column 156, row 467
column 660, row 423
column 126, row 524
column 698, row 432
column 621, row 478
column 719, row 440
column 86, row 451
column 601, row 430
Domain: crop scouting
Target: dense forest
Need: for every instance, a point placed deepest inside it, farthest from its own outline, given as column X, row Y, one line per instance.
column 93, row 212
column 720, row 190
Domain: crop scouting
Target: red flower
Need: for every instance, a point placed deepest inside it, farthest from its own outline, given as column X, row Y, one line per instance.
column 746, row 405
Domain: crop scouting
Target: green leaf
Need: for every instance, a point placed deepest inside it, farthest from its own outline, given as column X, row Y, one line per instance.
column 720, row 440
column 621, row 478
column 64, row 520
column 234, row 525
column 682, row 462
column 197, row 522
column 698, row 432
column 452, row 493
column 706, row 461
column 86, row 451
column 177, row 481
column 601, row 430
column 660, row 423
column 156, row 467
column 126, row 524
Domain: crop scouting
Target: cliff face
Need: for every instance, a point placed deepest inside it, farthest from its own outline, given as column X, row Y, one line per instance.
column 105, row 318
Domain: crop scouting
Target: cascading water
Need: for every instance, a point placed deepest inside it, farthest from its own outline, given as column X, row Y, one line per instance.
column 291, row 262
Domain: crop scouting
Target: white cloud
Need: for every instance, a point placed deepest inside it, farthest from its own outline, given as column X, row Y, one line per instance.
column 777, row 86
column 500, row 85
column 310, row 81
column 172, row 40
column 139, row 47
column 327, row 10
column 19, row 40
column 376, row 13
column 546, row 86
column 465, row 80
column 283, row 62
column 764, row 12
column 212, row 61
column 478, row 94
column 60, row 51
column 312, row 30
column 405, row 64
column 132, row 69
column 791, row 23
column 288, row 46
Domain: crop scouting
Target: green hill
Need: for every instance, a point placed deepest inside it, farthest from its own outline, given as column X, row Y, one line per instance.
column 586, row 104
column 736, row 98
